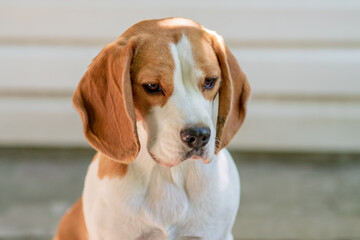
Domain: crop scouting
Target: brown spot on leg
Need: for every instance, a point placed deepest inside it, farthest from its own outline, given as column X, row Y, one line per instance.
column 72, row 225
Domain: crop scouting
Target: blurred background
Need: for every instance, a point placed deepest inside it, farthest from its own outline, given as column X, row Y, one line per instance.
column 298, row 152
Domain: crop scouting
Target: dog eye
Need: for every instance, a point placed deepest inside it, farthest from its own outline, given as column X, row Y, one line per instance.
column 153, row 88
column 209, row 82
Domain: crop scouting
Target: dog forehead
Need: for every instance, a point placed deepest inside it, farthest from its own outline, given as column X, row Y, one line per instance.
column 168, row 27
column 154, row 56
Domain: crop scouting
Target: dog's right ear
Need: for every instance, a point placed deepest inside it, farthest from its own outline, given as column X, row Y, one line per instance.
column 104, row 101
column 234, row 93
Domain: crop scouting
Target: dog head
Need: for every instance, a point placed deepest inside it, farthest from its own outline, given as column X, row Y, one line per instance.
column 168, row 73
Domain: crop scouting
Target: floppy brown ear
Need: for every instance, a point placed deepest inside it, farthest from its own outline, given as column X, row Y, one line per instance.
column 233, row 95
column 104, row 101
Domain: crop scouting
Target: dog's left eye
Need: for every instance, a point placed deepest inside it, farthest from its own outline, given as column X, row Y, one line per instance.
column 209, row 82
column 153, row 88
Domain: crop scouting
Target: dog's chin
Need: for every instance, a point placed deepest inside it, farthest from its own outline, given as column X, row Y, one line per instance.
column 165, row 163
column 186, row 156
column 205, row 160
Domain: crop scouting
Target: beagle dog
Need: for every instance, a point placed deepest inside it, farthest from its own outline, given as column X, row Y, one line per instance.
column 160, row 104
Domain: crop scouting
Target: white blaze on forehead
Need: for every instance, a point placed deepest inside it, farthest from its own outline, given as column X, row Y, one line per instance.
column 187, row 96
column 185, row 68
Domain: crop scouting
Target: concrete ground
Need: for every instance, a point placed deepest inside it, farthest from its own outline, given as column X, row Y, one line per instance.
column 284, row 196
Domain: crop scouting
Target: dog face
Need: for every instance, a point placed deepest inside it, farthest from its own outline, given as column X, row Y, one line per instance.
column 166, row 73
column 175, row 98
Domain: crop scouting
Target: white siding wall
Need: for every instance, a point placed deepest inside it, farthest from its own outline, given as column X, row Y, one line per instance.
column 302, row 59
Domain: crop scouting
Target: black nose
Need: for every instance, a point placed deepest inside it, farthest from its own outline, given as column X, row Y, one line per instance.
column 196, row 137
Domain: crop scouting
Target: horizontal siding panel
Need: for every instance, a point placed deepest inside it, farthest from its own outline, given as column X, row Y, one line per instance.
column 303, row 72
column 282, row 126
column 300, row 126
column 39, row 122
column 244, row 21
column 43, row 68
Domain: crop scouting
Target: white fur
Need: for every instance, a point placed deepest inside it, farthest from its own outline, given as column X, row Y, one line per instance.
column 191, row 199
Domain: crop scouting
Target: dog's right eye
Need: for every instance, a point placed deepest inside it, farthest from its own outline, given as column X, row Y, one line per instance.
column 153, row 88
column 209, row 82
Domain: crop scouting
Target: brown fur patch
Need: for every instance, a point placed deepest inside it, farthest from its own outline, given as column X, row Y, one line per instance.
column 105, row 103
column 72, row 225
column 153, row 63
column 205, row 59
column 110, row 168
column 233, row 95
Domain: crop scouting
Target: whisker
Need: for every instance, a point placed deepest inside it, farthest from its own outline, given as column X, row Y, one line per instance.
column 217, row 143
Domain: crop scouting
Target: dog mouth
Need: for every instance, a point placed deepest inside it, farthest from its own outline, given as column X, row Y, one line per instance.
column 194, row 154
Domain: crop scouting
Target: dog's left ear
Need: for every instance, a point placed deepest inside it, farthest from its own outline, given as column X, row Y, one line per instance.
column 233, row 95
column 105, row 103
